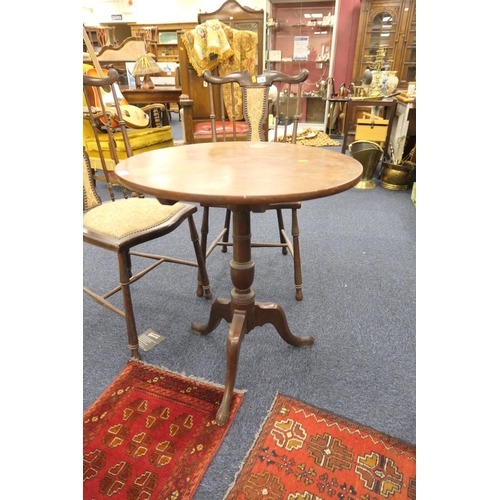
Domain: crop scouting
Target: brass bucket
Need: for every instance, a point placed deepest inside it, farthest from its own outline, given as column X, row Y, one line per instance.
column 369, row 154
column 397, row 177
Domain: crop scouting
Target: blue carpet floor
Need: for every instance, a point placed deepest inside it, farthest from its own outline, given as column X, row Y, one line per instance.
column 359, row 260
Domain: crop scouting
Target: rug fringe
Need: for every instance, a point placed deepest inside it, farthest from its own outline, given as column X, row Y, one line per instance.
column 185, row 375
column 247, row 454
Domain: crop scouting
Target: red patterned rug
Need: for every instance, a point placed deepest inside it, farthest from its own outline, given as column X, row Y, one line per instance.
column 303, row 453
column 151, row 435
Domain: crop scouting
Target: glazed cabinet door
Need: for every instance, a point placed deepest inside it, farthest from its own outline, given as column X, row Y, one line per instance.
column 408, row 67
column 390, row 24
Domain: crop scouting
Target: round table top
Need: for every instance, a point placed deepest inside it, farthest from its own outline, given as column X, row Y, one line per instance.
column 240, row 173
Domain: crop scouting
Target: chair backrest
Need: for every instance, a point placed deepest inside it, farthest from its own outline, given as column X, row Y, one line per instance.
column 150, row 36
column 263, row 107
column 90, row 197
column 105, row 118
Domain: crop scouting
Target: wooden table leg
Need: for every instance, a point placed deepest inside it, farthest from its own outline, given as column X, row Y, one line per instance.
column 242, row 311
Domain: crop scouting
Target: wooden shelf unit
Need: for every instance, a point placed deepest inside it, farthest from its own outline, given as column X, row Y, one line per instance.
column 165, row 51
column 100, row 36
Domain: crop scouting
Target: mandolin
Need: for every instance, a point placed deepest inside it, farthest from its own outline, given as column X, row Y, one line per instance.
column 133, row 116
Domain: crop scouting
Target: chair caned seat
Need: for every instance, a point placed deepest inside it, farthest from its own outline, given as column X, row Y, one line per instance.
column 122, row 218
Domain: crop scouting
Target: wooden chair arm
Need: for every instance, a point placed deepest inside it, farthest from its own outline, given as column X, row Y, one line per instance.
column 158, row 106
column 186, row 105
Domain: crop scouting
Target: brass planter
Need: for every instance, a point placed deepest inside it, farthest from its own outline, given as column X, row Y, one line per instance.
column 369, row 154
column 397, row 177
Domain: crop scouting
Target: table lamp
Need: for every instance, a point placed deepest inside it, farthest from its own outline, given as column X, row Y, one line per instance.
column 145, row 66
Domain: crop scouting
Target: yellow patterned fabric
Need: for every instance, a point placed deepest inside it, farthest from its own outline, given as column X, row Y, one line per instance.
column 90, row 197
column 141, row 140
column 310, row 137
column 95, row 162
column 255, row 111
column 138, row 138
column 121, row 218
column 207, row 45
column 305, row 137
column 244, row 45
column 214, row 44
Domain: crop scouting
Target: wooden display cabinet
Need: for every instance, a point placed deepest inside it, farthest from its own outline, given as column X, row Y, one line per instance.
column 299, row 35
column 166, row 39
column 390, row 24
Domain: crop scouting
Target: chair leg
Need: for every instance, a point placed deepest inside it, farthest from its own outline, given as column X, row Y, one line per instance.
column 281, row 228
column 297, row 266
column 128, row 263
column 227, row 223
column 124, row 267
column 204, row 232
column 203, row 287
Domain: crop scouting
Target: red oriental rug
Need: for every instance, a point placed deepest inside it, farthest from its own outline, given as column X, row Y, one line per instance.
column 303, row 453
column 151, row 435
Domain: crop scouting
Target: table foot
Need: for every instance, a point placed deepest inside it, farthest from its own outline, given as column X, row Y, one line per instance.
column 237, row 331
column 221, row 309
column 241, row 322
column 268, row 312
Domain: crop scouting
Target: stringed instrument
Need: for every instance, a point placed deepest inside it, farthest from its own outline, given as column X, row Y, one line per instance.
column 133, row 116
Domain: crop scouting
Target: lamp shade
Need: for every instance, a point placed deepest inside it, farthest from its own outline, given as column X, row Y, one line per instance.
column 145, row 65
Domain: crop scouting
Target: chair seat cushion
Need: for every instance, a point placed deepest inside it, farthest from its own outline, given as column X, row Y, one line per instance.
column 139, row 138
column 205, row 128
column 121, row 218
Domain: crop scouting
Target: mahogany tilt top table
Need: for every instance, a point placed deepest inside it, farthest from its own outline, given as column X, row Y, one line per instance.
column 246, row 177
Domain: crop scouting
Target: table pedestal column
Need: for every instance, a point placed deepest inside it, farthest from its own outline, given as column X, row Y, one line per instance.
column 242, row 312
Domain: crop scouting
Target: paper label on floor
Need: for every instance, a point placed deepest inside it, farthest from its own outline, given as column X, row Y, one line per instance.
column 149, row 339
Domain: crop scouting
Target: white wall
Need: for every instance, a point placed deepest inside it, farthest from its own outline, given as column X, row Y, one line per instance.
column 154, row 11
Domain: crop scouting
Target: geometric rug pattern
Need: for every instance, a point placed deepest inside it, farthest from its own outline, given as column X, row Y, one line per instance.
column 151, row 435
column 305, row 453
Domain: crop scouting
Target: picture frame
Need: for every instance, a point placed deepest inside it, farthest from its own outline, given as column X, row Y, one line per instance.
column 412, row 89
column 167, row 37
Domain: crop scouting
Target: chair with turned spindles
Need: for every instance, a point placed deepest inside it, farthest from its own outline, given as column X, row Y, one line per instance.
column 241, row 108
